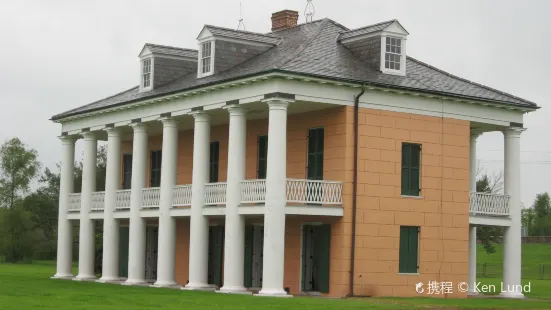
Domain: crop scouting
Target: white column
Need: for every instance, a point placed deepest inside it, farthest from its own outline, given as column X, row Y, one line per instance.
column 110, row 262
column 136, row 241
column 86, row 249
column 234, row 247
column 167, row 226
column 276, row 198
column 472, row 228
column 512, row 234
column 64, row 230
column 199, row 224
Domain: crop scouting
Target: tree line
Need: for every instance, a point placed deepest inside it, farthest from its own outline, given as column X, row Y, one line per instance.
column 28, row 218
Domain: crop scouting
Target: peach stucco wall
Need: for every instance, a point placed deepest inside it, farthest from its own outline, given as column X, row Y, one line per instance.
column 441, row 212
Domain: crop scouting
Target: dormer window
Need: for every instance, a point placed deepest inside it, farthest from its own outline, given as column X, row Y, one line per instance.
column 146, row 73
column 206, row 67
column 393, row 53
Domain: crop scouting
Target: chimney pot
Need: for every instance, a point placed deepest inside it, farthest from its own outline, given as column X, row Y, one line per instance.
column 284, row 19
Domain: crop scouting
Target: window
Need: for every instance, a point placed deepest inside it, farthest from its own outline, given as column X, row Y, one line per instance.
column 262, row 157
column 146, row 73
column 126, row 171
column 409, row 249
column 393, row 53
column 206, row 54
column 214, row 157
column 411, row 158
column 155, row 175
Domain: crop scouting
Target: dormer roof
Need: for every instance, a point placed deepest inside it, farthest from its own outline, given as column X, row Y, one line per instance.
column 372, row 29
column 168, row 51
column 239, row 34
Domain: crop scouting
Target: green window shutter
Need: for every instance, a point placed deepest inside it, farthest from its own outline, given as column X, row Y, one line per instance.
column 322, row 256
column 123, row 252
column 155, row 168
column 214, row 159
column 409, row 249
column 304, row 256
column 411, row 155
column 248, row 268
column 262, row 156
column 127, row 171
column 315, row 154
column 217, row 255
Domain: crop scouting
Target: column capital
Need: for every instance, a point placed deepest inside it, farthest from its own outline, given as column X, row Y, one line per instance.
column 169, row 121
column 235, row 110
column 89, row 135
column 200, row 116
column 513, row 132
column 276, row 104
column 139, row 127
column 67, row 139
column 113, row 131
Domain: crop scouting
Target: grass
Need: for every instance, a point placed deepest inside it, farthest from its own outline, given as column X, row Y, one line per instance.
column 536, row 262
column 29, row 287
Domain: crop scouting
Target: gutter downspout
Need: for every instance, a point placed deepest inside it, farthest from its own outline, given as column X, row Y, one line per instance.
column 355, row 189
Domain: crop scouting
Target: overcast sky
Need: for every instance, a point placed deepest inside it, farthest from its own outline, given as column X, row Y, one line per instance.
column 60, row 54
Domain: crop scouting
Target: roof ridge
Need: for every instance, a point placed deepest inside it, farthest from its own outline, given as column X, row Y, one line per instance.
column 470, row 82
column 242, row 31
column 303, row 46
column 300, row 25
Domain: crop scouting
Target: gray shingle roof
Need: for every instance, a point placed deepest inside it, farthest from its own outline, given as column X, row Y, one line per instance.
column 243, row 35
column 171, row 50
column 312, row 49
column 365, row 30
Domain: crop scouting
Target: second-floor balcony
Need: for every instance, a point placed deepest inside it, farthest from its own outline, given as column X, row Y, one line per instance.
column 484, row 204
column 253, row 192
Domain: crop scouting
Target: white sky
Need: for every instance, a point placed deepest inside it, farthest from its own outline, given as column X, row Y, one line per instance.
column 60, row 54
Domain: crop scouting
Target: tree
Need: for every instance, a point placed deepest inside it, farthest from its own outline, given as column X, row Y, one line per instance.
column 16, row 234
column 537, row 218
column 18, row 166
column 489, row 235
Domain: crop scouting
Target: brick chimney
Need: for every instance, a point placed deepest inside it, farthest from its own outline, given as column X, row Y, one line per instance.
column 284, row 19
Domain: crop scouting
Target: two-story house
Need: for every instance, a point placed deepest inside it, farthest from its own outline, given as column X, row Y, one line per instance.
column 314, row 159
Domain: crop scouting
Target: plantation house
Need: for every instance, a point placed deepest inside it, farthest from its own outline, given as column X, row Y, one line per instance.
column 314, row 159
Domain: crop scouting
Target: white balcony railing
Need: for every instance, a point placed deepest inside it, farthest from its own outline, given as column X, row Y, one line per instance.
column 181, row 196
column 151, row 197
column 122, row 200
column 215, row 193
column 253, row 191
column 98, row 201
column 314, row 192
column 489, row 204
column 74, row 203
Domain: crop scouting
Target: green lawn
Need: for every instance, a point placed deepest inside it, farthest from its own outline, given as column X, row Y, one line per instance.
column 29, row 287
column 536, row 262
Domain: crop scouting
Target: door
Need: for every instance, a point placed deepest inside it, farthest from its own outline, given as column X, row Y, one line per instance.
column 151, row 240
column 254, row 247
column 216, row 251
column 316, row 240
column 123, row 252
column 315, row 164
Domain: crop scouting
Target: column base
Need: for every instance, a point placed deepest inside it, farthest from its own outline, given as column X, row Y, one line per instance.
column 199, row 287
column 109, row 280
column 513, row 295
column 234, row 290
column 273, row 293
column 85, row 278
column 136, row 282
column 166, row 284
column 473, row 294
column 68, row 276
